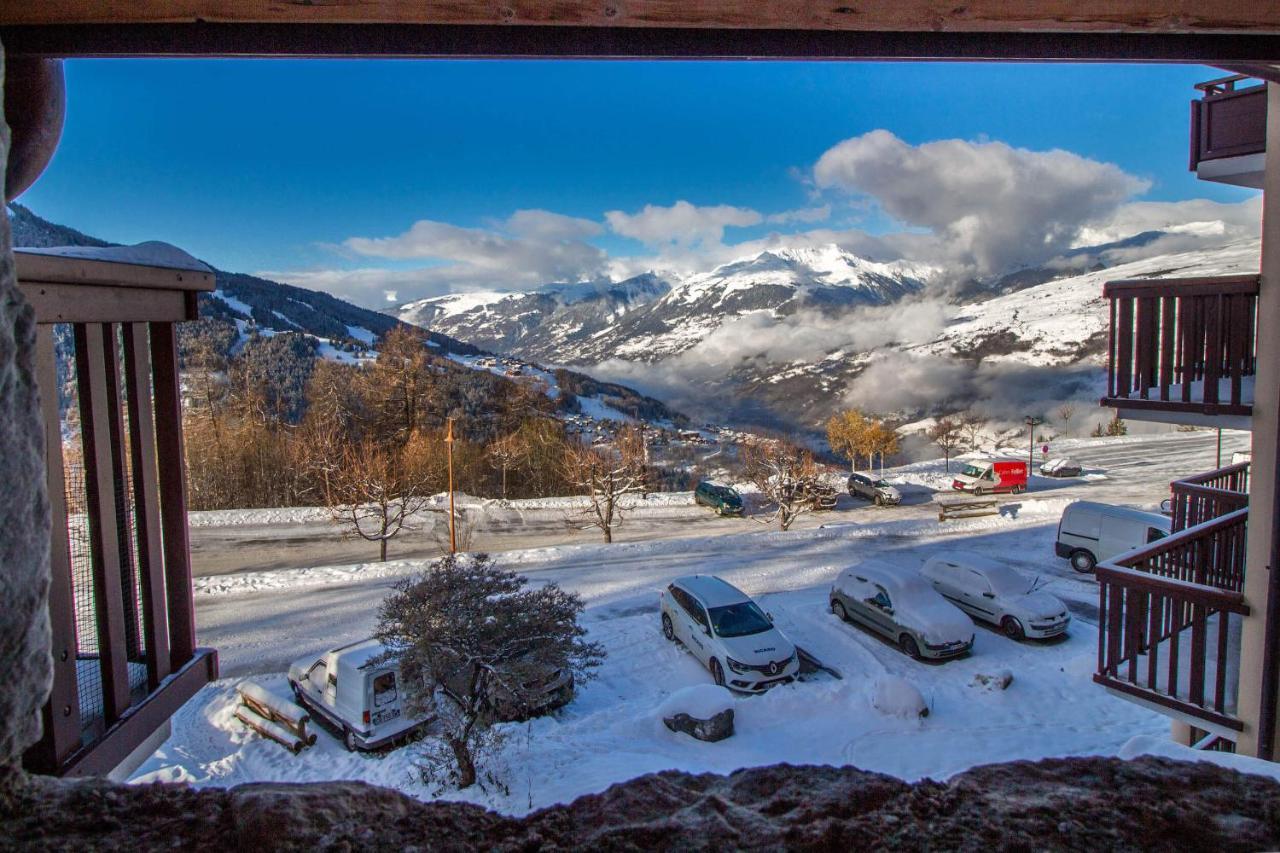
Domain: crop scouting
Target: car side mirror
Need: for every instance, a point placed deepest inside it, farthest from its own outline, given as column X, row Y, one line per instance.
column 706, row 630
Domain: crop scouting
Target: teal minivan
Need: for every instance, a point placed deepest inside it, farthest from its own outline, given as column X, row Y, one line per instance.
column 723, row 499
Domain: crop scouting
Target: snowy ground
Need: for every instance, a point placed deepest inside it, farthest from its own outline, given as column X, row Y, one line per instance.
column 611, row 731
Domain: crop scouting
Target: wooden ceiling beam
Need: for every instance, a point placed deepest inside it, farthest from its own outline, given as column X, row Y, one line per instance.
column 1076, row 16
column 484, row 41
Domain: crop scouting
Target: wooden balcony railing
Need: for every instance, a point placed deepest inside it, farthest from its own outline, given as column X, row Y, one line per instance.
column 121, row 615
column 1204, row 497
column 1228, row 121
column 1169, row 622
column 1183, row 345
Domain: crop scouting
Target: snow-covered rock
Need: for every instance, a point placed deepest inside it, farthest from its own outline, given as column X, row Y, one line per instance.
column 897, row 697
column 703, row 711
column 999, row 680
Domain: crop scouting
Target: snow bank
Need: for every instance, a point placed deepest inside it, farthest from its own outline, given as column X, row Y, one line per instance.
column 1166, row 748
column 701, row 701
column 897, row 697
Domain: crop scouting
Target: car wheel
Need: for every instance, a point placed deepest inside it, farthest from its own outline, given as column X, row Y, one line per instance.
column 1012, row 628
column 909, row 646
column 977, row 490
column 1017, row 490
column 1082, row 561
column 837, row 607
column 717, row 674
column 349, row 739
column 879, row 501
column 668, row 630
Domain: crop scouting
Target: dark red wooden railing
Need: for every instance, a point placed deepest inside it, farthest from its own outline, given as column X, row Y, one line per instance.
column 1207, row 496
column 1185, row 345
column 1166, row 616
column 121, row 614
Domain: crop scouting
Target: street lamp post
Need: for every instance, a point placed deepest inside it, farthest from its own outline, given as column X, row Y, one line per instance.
column 1032, row 422
column 448, row 440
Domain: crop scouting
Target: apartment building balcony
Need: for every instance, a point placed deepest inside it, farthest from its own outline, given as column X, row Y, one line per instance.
column 120, row 601
column 1184, row 350
column 1171, row 612
column 1228, row 132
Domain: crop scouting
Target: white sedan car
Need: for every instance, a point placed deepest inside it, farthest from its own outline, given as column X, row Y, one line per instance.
column 995, row 593
column 728, row 632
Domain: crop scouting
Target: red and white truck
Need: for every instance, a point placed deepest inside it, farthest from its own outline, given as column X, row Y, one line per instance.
column 990, row 476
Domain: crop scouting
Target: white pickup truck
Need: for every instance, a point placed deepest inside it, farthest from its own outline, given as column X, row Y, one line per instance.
column 356, row 693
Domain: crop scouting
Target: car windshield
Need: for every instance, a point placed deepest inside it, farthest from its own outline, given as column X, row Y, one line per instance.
column 739, row 620
column 728, row 495
column 1005, row 581
column 972, row 471
column 882, row 484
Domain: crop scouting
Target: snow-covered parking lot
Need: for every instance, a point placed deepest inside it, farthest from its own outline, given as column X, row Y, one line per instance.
column 612, row 732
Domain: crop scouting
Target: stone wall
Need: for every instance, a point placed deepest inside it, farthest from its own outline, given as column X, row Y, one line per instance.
column 25, row 667
column 1058, row 804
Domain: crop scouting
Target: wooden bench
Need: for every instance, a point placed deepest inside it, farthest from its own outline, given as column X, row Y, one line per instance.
column 967, row 507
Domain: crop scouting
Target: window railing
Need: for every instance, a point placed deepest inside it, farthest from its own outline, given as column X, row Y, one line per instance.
column 1185, row 345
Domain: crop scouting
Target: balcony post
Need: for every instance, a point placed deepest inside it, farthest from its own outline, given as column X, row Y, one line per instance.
column 1259, row 685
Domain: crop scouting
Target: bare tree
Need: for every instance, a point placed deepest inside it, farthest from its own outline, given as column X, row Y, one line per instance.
column 373, row 492
column 505, row 453
column 946, row 433
column 786, row 474
column 473, row 629
column 971, row 424
column 607, row 474
column 1066, row 412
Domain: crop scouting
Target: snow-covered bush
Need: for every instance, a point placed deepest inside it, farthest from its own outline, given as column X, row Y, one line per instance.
column 896, row 697
column 475, row 645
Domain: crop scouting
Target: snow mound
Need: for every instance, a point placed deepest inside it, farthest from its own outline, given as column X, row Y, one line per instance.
column 1163, row 747
column 701, row 702
column 897, row 697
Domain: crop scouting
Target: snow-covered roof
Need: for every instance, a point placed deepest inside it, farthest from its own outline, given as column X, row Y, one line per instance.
column 712, row 591
column 152, row 253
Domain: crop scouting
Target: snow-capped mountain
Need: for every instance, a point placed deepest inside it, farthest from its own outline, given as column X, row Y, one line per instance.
column 648, row 318
column 245, row 306
column 789, row 336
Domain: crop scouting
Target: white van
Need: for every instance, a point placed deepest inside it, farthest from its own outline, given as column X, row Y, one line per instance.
column 356, row 692
column 1090, row 533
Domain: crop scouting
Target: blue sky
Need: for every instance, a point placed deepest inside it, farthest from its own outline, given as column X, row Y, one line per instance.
column 275, row 166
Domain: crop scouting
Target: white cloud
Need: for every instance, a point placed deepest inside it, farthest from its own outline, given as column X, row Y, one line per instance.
column 528, row 249
column 682, row 224
column 803, row 214
column 987, row 206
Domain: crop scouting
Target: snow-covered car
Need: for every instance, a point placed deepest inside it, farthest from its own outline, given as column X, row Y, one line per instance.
column 992, row 592
column 897, row 603
column 862, row 486
column 728, row 632
column 1061, row 467
column 547, row 690
column 357, row 692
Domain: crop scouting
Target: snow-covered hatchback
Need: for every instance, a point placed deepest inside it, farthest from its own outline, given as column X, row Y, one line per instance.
column 995, row 593
column 898, row 604
column 728, row 633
